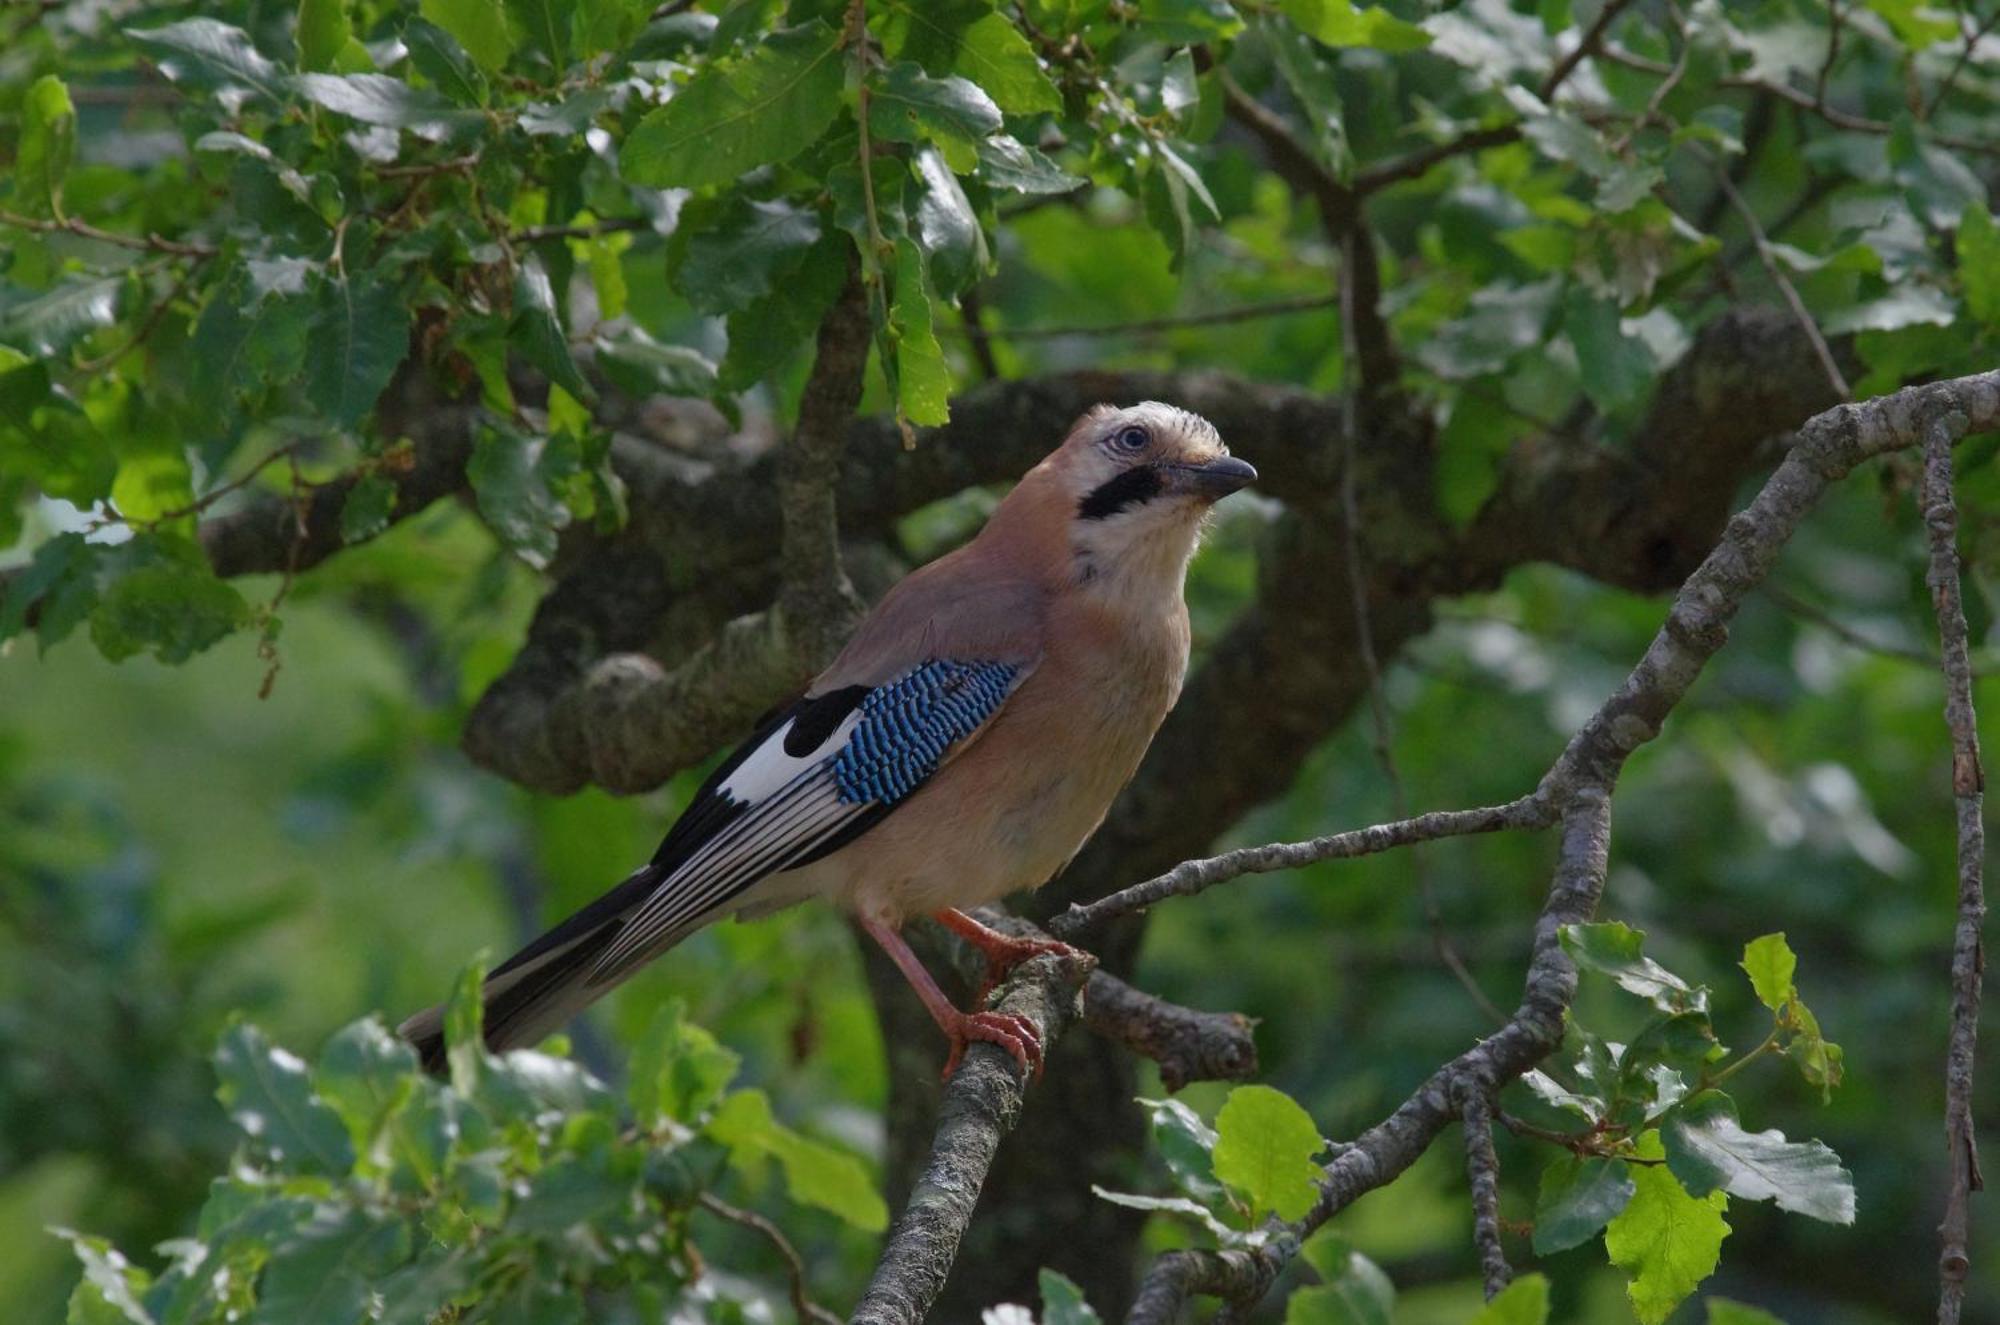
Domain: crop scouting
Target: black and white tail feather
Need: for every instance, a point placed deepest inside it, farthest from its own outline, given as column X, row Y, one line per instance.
column 814, row 777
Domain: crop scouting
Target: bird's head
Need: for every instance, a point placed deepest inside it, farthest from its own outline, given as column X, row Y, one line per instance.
column 1138, row 481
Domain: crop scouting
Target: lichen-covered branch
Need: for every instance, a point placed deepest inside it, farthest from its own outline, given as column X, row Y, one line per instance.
column 1187, row 1043
column 1482, row 1172
column 1968, row 784
column 980, row 1105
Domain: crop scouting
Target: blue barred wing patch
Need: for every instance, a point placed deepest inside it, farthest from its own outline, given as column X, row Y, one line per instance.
column 907, row 726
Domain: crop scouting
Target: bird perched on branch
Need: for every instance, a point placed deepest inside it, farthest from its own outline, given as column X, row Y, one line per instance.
column 965, row 744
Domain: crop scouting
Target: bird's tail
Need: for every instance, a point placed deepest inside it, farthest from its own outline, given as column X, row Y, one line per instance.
column 540, row 988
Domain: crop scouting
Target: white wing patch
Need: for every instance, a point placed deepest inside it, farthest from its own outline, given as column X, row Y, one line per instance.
column 769, row 768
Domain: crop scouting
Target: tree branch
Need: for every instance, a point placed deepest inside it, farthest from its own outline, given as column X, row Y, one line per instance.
column 1189, row 1045
column 1482, row 1171
column 1968, row 781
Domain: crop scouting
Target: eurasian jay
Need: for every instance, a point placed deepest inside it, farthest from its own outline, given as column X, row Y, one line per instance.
column 965, row 744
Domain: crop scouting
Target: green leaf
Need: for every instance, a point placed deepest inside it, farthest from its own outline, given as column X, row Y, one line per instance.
column 1613, row 948
column 361, row 332
column 608, row 25
column 111, row 1289
column 923, row 381
column 1553, row 1092
column 442, row 59
column 479, row 25
column 1187, row 1144
column 365, row 513
column 390, row 102
column 464, row 1023
column 947, row 229
column 761, row 336
column 366, row 1076
column 906, row 105
column 1707, row 1148
column 47, row 142
column 1310, row 80
column 325, row 1272
column 48, row 325
column 546, row 25
column 1062, row 1302
column 323, row 32
column 537, row 331
column 1005, row 163
column 725, row 258
column 157, row 594
column 63, row 579
column 767, row 107
column 517, row 480
column 1723, row 1311
column 1770, row 964
column 210, row 53
column 1979, row 264
column 639, row 365
column 1579, row 1196
column 678, row 1069
column 1523, row 1302
column 1264, row 1148
column 1939, row 185
column 1500, row 323
column 1353, row 1291
column 1340, row 23
column 1615, row 369
column 1174, row 1205
column 1820, row 1061
column 1665, row 1240
column 268, row 1095
column 1907, row 305
column 815, row 1174
column 994, row 54
column 1173, row 191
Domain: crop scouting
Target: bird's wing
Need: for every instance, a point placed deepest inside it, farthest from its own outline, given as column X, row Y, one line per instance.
column 923, row 676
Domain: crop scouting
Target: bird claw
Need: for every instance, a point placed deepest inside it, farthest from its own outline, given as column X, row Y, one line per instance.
column 1010, row 1030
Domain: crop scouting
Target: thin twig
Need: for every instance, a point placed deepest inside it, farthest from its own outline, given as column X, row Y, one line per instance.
column 140, row 243
column 1146, row 326
column 1195, row 876
column 1584, row 49
column 972, row 313
column 1972, row 41
column 1846, row 634
column 1833, row 19
column 795, row 1266
column 154, row 317
column 1800, row 314
column 1968, row 782
column 1482, row 1171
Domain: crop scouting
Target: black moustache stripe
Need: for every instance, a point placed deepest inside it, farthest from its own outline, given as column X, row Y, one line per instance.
column 1130, row 488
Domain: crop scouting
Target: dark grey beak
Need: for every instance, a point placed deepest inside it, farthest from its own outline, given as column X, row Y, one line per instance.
column 1219, row 477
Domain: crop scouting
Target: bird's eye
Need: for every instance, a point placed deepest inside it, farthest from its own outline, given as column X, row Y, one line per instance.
column 1131, row 439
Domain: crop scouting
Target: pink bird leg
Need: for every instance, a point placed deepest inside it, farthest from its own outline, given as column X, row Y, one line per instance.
column 1011, row 1031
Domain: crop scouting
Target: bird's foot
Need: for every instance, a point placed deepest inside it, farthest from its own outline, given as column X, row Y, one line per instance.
column 1004, row 951
column 1010, row 1030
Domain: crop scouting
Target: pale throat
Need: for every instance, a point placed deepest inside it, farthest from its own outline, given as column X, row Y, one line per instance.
column 1141, row 560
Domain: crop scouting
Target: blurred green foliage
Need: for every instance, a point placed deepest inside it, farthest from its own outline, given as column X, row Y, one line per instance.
column 335, row 187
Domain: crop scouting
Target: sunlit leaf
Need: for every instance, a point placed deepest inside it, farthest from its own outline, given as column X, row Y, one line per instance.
column 767, row 107
column 270, row 1096
column 1665, row 1240
column 1708, row 1149
column 1264, row 1148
